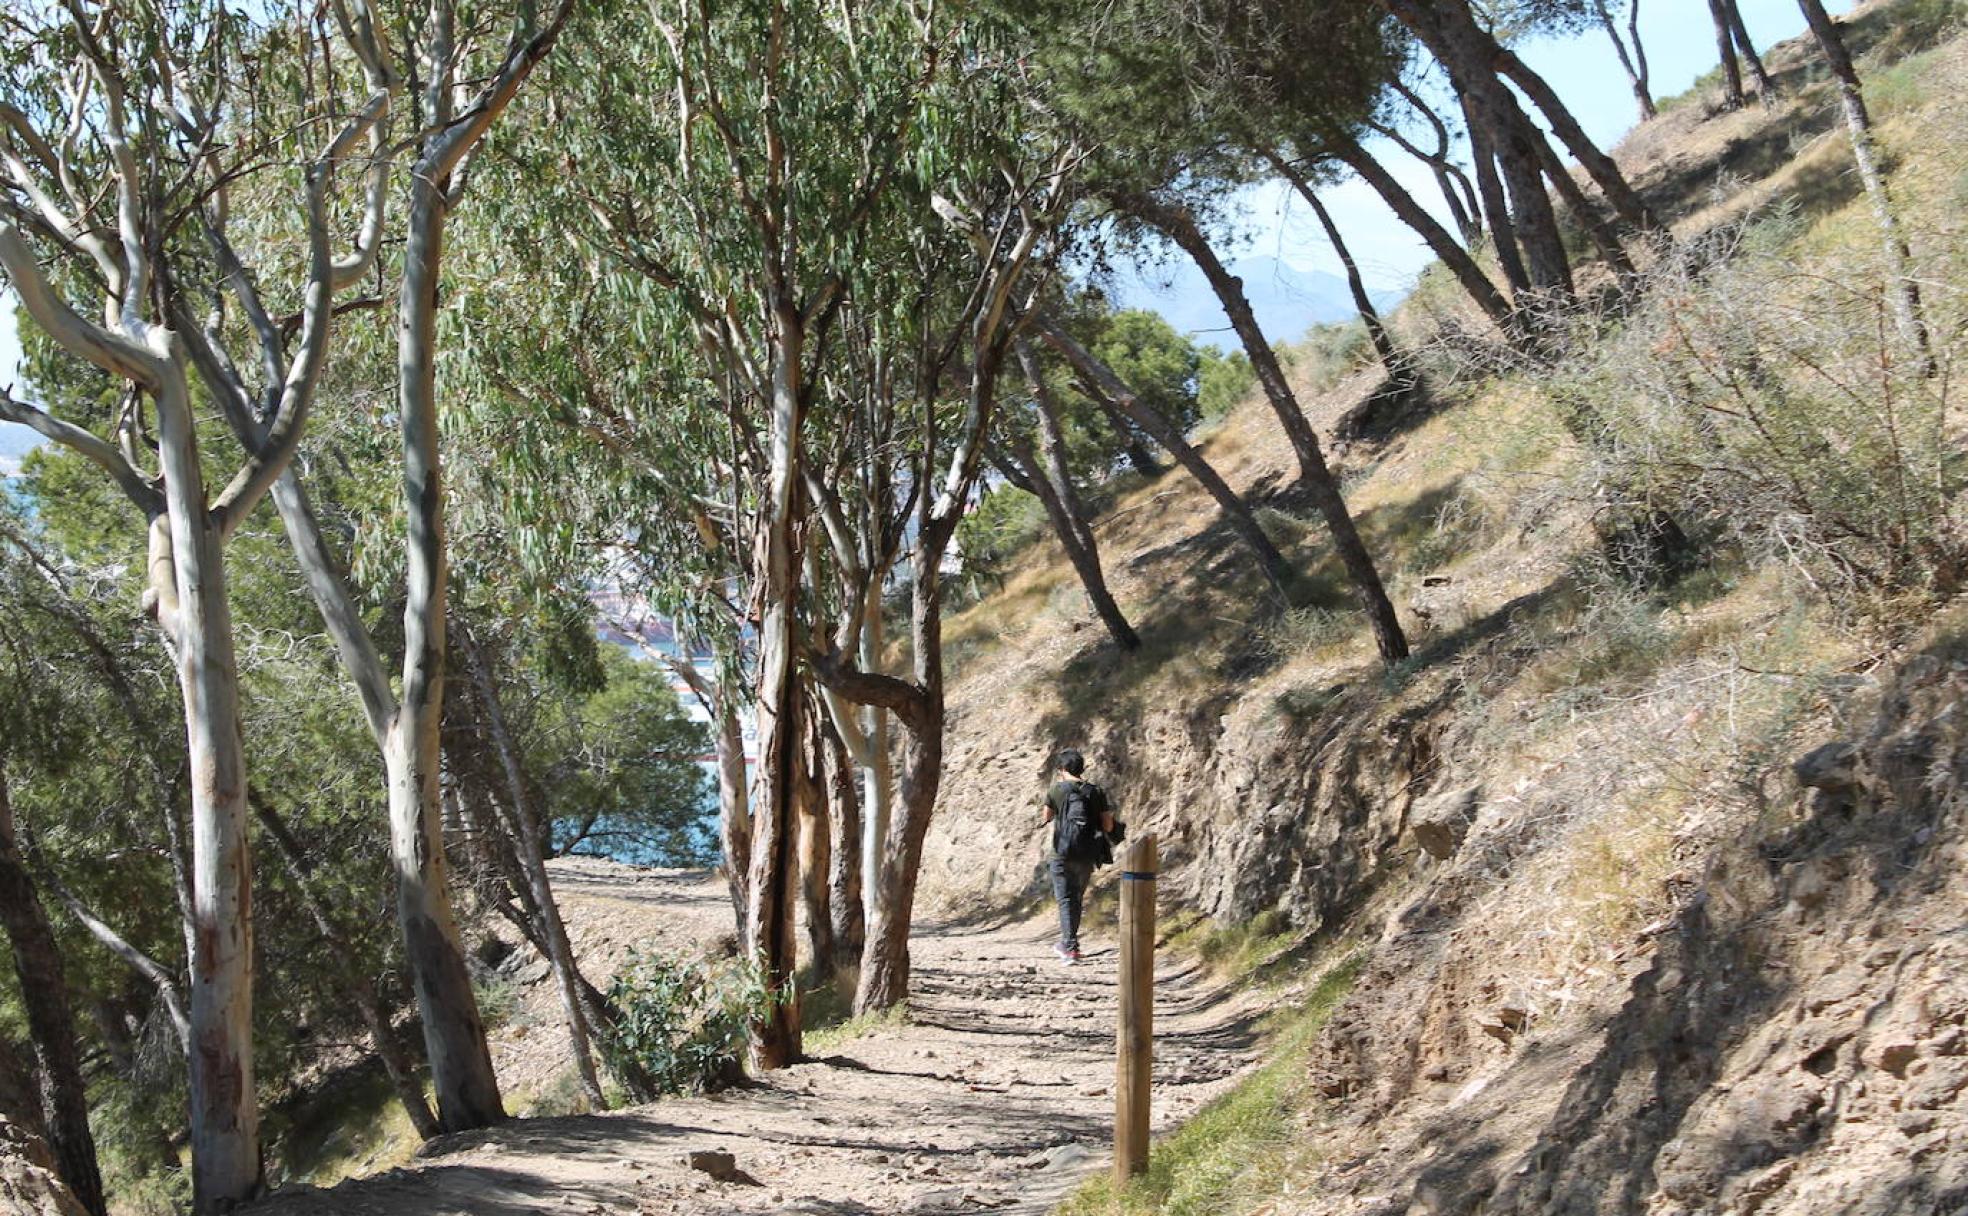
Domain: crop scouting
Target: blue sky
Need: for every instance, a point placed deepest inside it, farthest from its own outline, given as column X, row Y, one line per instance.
column 1680, row 47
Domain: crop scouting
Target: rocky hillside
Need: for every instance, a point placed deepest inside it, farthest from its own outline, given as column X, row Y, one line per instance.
column 1652, row 882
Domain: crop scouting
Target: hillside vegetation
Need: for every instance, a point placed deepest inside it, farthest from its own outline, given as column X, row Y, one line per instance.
column 1609, row 936
column 459, row 423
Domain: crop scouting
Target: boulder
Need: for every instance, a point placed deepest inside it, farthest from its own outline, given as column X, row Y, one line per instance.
column 719, row 1165
column 1440, row 821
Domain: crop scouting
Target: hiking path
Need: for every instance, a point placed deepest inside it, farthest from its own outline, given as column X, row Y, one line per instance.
column 995, row 1095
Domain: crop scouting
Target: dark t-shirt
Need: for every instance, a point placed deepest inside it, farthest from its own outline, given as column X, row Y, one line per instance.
column 1056, row 799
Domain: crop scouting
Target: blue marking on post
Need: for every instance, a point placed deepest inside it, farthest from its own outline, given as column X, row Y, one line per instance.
column 1137, row 876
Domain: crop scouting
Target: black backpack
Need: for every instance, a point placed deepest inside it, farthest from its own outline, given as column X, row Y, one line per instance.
column 1079, row 837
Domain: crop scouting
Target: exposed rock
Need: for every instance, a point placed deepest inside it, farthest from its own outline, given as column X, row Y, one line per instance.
column 1505, row 1023
column 1832, row 767
column 1063, row 1158
column 29, row 1185
column 719, row 1165
column 1440, row 821
column 1895, row 1057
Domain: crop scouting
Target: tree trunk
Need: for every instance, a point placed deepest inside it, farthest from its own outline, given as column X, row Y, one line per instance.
column 1635, row 62
column 602, row 1015
column 162, row 982
column 1766, row 88
column 1058, row 462
column 1904, row 290
column 1439, row 242
column 1456, row 190
column 1457, row 193
column 1072, row 542
column 1517, row 142
column 1585, row 212
column 1052, row 484
column 1181, row 227
column 816, row 844
column 530, row 833
column 20, row 1089
column 1605, row 174
column 1110, row 394
column 919, row 704
column 877, row 766
column 885, row 957
column 190, row 580
column 454, row 1032
column 336, row 936
column 1496, row 207
column 775, row 814
column 1725, row 49
column 1474, row 59
column 844, row 859
column 1383, row 343
column 50, row 1022
column 728, row 747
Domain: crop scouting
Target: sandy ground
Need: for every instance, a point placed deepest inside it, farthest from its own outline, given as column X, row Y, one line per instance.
column 996, row 1095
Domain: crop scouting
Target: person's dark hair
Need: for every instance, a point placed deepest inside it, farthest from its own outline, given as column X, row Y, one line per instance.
column 1071, row 761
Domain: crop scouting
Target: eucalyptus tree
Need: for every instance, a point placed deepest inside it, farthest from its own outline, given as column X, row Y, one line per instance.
column 858, row 479
column 1007, row 214
column 464, row 76
column 125, row 130
column 739, row 182
column 604, row 454
column 98, row 845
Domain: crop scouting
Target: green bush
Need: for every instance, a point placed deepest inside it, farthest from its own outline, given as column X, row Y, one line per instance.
column 1223, row 381
column 683, row 1022
column 1003, row 525
column 1329, row 353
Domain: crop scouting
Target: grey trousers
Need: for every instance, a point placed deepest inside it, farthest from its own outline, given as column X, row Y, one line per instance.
column 1069, row 884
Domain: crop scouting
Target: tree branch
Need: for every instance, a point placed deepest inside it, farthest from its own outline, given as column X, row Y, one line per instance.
column 98, row 451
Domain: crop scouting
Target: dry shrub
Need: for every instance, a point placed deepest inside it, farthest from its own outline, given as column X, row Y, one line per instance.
column 1777, row 407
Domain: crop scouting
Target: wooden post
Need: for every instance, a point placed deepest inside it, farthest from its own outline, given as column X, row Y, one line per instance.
column 1136, row 1040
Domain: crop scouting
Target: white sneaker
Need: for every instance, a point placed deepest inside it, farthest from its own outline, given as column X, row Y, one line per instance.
column 1066, row 956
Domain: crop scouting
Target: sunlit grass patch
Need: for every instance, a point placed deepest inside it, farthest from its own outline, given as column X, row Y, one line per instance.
column 830, row 1036
column 1240, row 1148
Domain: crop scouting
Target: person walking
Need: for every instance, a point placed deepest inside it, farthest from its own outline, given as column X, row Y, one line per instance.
column 1082, row 824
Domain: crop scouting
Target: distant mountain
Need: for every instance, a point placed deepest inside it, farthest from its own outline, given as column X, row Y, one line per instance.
column 1286, row 301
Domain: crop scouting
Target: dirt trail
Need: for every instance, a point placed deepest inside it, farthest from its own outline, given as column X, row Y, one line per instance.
column 995, row 1096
